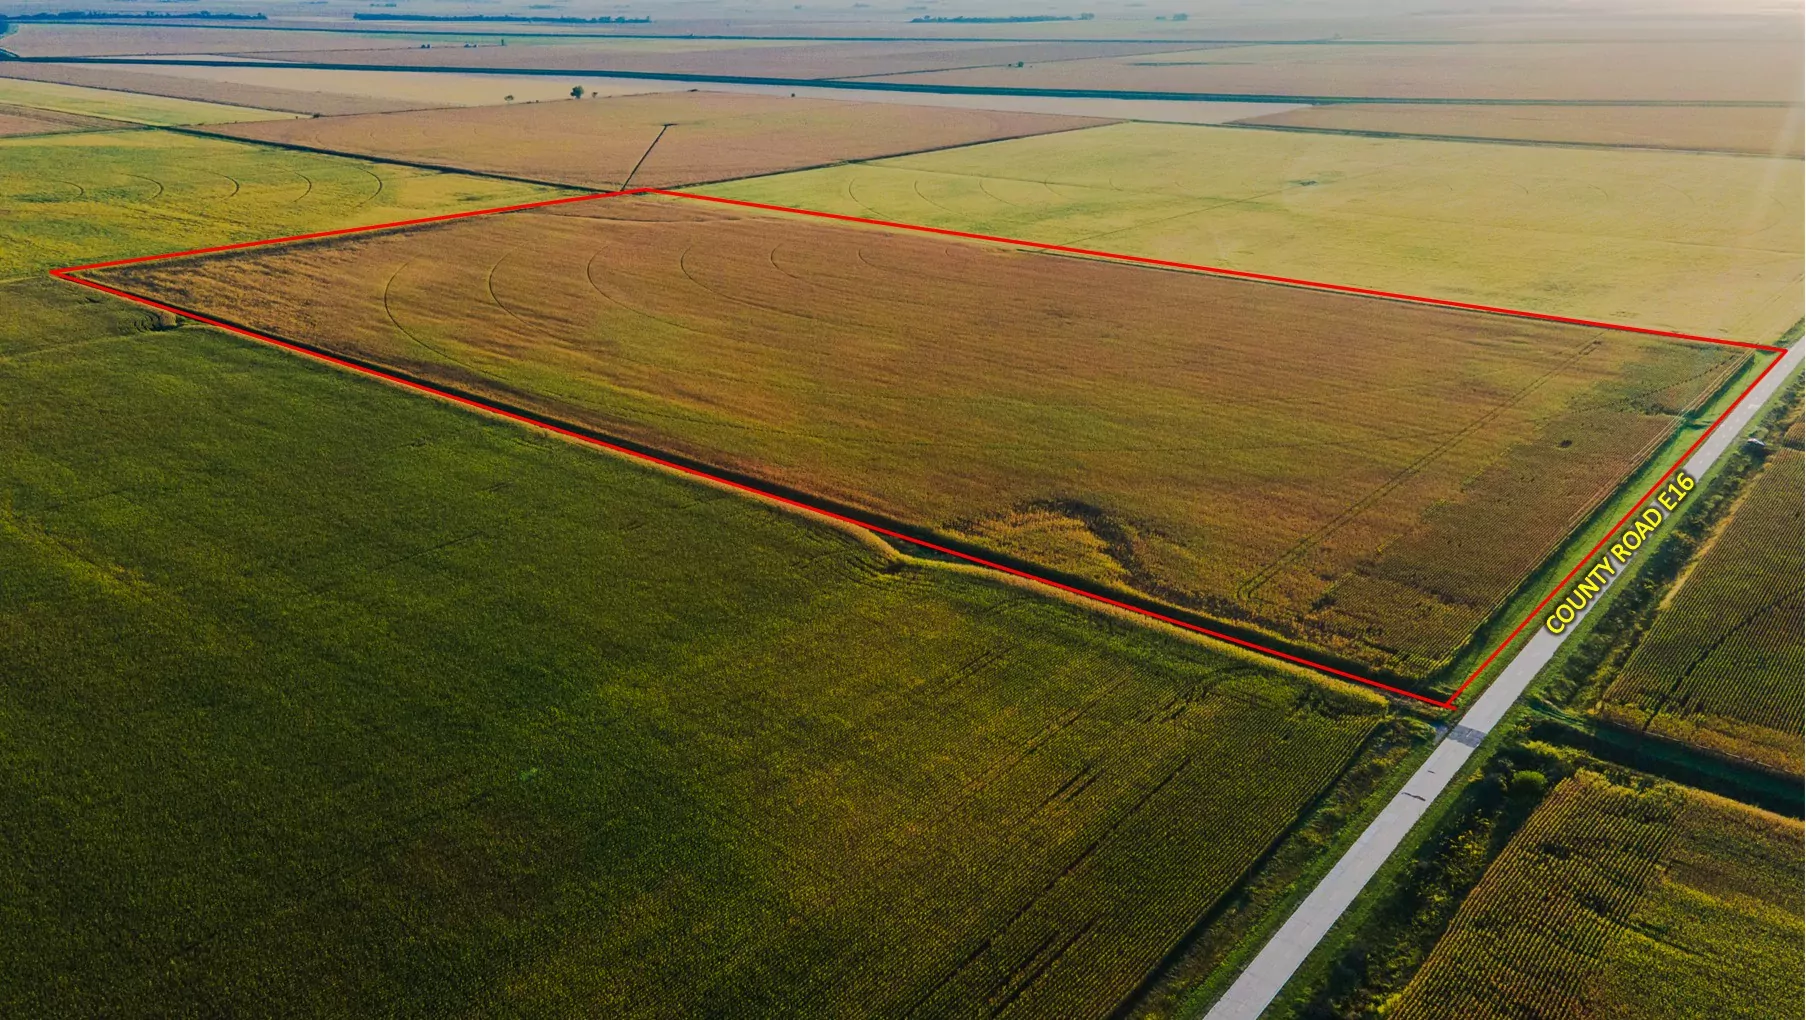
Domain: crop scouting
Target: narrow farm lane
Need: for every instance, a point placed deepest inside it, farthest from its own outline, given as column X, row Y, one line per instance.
column 1281, row 957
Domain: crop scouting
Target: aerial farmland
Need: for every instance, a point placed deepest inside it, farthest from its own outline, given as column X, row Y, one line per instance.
column 762, row 511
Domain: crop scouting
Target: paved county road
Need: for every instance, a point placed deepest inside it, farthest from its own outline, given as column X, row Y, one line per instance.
column 1281, row 957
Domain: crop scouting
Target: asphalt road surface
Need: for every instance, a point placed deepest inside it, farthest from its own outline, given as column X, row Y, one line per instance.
column 1257, row 986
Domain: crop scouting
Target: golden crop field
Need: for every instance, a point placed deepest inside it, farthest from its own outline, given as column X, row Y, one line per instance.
column 75, row 198
column 1720, row 667
column 1331, row 469
column 1617, row 901
column 672, row 138
column 1699, row 243
column 1768, row 131
column 1747, row 70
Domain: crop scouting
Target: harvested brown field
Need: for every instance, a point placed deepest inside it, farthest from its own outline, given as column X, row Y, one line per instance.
column 797, row 60
column 1334, row 470
column 202, row 90
column 700, row 136
column 1767, row 131
column 24, row 120
column 1741, row 71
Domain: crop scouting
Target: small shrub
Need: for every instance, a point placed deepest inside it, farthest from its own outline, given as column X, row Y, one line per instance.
column 1528, row 784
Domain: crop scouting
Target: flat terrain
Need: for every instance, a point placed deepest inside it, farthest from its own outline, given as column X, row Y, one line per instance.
column 375, row 91
column 1699, row 70
column 125, row 106
column 53, row 40
column 1697, row 243
column 1332, row 469
column 1768, row 131
column 392, row 38
column 785, row 60
column 327, row 699
column 1622, row 902
column 80, row 197
column 700, row 136
column 169, row 82
column 24, row 120
column 1720, row 667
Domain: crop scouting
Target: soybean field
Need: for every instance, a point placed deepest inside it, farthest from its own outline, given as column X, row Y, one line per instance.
column 1634, row 900
column 1720, row 666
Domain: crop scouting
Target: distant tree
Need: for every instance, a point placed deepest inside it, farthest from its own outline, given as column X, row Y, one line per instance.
column 507, row 99
column 576, row 92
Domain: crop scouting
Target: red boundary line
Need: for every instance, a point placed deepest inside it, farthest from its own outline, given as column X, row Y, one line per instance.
column 1238, row 274
column 1562, row 585
column 66, row 273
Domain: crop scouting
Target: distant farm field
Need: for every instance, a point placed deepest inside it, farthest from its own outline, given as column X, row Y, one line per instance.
column 815, row 59
column 75, row 40
column 671, row 138
column 235, row 91
column 389, row 91
column 1614, row 901
column 1334, row 470
column 77, row 198
column 1770, row 131
column 1746, row 70
column 25, row 120
column 1707, row 244
column 325, row 699
column 1721, row 665
column 125, row 106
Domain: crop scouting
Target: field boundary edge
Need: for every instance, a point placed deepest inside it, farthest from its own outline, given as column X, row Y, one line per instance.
column 67, row 274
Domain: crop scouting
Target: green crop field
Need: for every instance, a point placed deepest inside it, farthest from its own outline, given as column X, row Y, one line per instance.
column 1721, row 665
column 327, row 699
column 318, row 697
column 98, row 195
column 1615, row 901
column 1693, row 242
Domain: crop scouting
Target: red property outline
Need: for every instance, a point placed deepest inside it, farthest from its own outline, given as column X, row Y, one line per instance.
column 66, row 273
